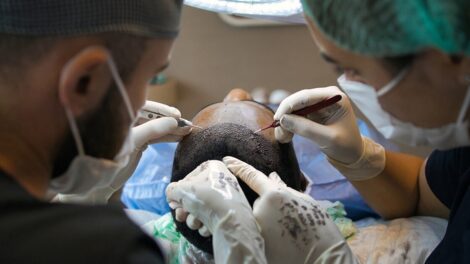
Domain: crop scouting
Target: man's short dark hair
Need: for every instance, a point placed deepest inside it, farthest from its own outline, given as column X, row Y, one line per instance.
column 227, row 139
column 18, row 52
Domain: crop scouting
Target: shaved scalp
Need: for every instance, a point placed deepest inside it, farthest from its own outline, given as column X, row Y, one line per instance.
column 227, row 139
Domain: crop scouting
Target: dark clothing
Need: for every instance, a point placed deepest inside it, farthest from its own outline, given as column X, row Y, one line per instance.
column 448, row 175
column 33, row 231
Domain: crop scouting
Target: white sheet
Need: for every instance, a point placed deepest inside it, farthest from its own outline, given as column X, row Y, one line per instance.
column 405, row 240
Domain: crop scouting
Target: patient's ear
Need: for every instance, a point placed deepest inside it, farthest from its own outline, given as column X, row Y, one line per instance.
column 237, row 94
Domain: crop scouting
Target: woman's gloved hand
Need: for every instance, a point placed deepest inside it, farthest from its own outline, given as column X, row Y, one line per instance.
column 294, row 226
column 163, row 129
column 211, row 195
column 334, row 129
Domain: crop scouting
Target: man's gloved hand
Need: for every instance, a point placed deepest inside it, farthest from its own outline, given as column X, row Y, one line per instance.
column 335, row 131
column 163, row 129
column 211, row 195
column 294, row 226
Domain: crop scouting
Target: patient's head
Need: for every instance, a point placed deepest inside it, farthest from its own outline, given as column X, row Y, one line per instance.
column 228, row 130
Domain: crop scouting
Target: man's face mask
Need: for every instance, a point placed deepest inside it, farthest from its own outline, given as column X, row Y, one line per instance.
column 87, row 173
column 366, row 99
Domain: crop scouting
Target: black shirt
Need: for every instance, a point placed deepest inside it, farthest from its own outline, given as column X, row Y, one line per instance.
column 32, row 231
column 448, row 175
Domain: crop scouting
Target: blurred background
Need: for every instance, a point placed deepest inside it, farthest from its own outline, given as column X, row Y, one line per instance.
column 211, row 57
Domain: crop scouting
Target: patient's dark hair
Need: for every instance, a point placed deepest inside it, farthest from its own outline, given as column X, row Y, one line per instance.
column 227, row 139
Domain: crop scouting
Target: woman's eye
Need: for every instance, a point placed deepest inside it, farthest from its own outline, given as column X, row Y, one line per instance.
column 351, row 73
column 339, row 70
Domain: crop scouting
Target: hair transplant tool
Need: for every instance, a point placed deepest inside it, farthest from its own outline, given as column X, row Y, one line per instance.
column 149, row 115
column 307, row 110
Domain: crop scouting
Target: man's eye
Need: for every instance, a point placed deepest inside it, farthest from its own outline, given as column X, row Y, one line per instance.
column 157, row 79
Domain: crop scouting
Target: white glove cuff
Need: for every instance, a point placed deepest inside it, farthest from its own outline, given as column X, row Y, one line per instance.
column 370, row 164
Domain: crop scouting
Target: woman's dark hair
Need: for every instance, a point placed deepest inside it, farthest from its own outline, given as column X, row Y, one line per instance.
column 395, row 64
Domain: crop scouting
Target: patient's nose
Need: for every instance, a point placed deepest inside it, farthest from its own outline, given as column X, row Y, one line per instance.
column 237, row 94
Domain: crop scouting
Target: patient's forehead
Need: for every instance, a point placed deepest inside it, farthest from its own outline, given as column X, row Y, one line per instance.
column 246, row 113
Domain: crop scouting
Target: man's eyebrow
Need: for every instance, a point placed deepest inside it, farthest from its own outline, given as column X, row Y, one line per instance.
column 164, row 67
column 327, row 58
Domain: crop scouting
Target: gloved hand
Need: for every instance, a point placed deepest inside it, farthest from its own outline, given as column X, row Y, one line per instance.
column 212, row 195
column 163, row 129
column 335, row 131
column 294, row 226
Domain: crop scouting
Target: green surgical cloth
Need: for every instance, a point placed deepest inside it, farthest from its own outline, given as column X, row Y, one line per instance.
column 387, row 28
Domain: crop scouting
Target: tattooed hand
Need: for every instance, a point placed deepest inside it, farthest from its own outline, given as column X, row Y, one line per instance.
column 295, row 228
column 210, row 198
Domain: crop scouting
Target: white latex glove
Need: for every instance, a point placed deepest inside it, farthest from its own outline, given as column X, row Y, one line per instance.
column 155, row 130
column 335, row 131
column 163, row 129
column 295, row 228
column 212, row 195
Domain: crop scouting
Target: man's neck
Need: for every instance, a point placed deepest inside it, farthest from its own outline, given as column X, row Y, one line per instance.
column 25, row 163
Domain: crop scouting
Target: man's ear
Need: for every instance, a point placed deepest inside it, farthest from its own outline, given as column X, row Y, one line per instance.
column 85, row 80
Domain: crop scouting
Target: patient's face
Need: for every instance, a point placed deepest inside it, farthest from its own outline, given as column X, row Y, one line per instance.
column 228, row 130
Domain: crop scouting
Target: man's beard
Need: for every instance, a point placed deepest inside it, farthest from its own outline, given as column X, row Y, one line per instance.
column 102, row 133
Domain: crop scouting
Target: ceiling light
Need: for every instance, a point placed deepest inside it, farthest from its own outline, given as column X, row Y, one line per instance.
column 249, row 7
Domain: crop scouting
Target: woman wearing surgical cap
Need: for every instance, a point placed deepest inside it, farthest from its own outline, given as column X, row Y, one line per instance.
column 406, row 65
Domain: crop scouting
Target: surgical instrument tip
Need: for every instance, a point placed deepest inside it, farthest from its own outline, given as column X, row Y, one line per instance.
column 184, row 123
column 307, row 110
column 273, row 125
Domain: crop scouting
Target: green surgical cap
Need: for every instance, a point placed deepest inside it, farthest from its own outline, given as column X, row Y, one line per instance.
column 150, row 18
column 384, row 28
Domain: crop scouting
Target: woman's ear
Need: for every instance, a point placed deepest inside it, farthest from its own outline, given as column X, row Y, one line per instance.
column 85, row 80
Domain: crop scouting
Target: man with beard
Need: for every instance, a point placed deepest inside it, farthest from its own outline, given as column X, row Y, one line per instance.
column 72, row 78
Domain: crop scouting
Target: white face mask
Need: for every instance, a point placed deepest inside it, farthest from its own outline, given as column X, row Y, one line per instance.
column 87, row 173
column 366, row 99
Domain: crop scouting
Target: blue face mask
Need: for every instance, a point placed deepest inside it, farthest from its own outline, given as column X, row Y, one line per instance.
column 366, row 97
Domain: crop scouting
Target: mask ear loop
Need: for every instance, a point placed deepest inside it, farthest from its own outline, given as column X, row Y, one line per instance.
column 394, row 82
column 75, row 132
column 120, row 85
column 465, row 104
